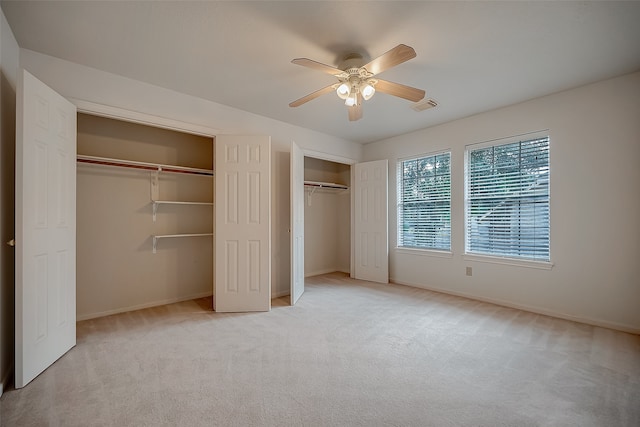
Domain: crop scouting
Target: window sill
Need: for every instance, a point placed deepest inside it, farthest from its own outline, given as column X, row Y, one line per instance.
column 540, row 265
column 425, row 252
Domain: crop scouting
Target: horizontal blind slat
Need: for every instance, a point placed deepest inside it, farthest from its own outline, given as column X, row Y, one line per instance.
column 508, row 200
column 424, row 202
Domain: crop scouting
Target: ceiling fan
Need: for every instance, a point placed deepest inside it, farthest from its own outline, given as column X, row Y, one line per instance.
column 356, row 82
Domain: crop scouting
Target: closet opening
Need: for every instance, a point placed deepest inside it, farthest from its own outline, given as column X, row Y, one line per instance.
column 327, row 217
column 144, row 216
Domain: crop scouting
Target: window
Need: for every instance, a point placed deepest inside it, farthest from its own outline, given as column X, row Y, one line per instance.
column 507, row 199
column 424, row 202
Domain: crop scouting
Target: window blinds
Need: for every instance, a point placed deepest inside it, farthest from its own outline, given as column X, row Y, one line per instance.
column 507, row 206
column 424, row 202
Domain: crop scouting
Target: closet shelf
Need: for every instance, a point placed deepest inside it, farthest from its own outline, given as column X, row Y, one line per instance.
column 106, row 161
column 314, row 186
column 173, row 236
column 327, row 185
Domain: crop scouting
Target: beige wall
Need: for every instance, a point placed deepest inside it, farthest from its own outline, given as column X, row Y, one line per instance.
column 9, row 54
column 116, row 268
column 595, row 200
column 327, row 235
column 327, row 220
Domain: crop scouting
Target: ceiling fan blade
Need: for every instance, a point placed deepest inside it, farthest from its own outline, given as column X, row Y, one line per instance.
column 391, row 58
column 311, row 96
column 355, row 112
column 402, row 91
column 309, row 63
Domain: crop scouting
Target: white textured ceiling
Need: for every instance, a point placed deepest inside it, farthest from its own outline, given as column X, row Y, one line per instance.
column 472, row 56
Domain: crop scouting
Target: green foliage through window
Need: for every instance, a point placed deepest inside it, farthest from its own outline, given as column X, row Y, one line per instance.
column 424, row 202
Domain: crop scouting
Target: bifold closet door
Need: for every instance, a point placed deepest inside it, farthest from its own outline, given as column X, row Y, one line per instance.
column 242, row 231
column 297, row 223
column 45, row 282
column 371, row 221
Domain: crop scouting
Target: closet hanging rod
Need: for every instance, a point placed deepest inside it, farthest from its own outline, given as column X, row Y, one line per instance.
column 331, row 185
column 142, row 165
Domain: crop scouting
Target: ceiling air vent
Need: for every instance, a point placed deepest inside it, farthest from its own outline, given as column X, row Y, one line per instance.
column 425, row 104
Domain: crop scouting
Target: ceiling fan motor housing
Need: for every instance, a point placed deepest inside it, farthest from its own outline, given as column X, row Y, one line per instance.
column 352, row 60
column 357, row 78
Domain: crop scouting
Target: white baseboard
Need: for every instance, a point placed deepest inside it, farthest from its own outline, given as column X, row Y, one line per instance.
column 88, row 316
column 286, row 292
column 319, row 272
column 279, row 294
column 586, row 320
column 323, row 271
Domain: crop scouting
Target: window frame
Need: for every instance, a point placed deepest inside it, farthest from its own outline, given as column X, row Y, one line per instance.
column 432, row 251
column 498, row 258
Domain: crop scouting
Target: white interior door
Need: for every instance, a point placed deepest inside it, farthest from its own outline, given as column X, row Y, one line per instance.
column 45, row 228
column 297, row 223
column 242, row 223
column 371, row 224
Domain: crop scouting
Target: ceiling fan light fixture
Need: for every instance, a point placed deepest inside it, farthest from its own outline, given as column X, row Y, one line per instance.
column 351, row 100
column 343, row 91
column 367, row 91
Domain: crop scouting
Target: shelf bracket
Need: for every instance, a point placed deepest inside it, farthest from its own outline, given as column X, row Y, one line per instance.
column 155, row 185
column 155, row 242
column 155, row 191
column 311, row 191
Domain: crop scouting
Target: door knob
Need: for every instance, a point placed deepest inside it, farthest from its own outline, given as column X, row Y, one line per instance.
column 11, row 242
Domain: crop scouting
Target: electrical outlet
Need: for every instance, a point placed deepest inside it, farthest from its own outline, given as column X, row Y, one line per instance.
column 469, row 271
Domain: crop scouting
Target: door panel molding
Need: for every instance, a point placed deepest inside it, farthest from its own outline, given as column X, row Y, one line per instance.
column 45, row 280
column 371, row 221
column 242, row 224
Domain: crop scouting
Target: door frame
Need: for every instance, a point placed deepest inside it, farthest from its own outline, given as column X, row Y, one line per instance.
column 122, row 114
column 118, row 113
column 346, row 161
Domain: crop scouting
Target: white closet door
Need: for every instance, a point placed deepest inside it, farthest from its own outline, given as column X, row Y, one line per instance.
column 297, row 223
column 371, row 224
column 45, row 228
column 242, row 223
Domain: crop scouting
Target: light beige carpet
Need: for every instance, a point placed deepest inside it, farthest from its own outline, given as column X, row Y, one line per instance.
column 349, row 353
